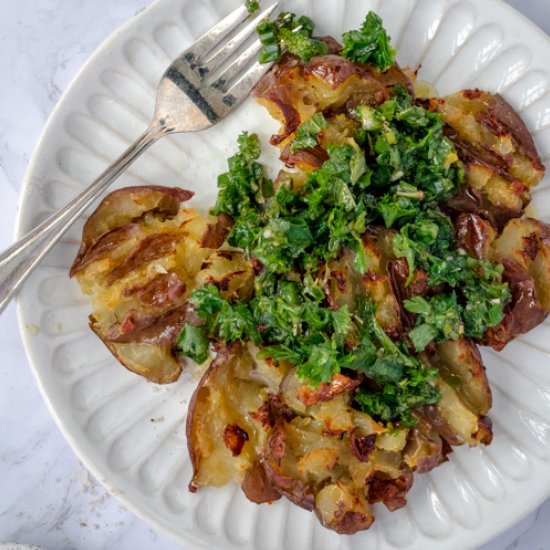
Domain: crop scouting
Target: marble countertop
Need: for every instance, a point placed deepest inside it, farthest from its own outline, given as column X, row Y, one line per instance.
column 47, row 497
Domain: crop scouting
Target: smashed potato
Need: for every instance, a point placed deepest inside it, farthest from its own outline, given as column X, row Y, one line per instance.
column 501, row 160
column 141, row 256
column 523, row 248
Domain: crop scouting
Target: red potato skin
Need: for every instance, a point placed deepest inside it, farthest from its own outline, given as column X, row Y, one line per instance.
column 223, row 283
column 104, row 244
column 124, row 206
column 398, row 271
column 306, row 159
column 167, row 376
column 164, row 290
column 257, row 487
column 332, row 69
column 427, row 435
column 469, row 200
column 327, row 390
column 335, row 73
column 501, row 117
column 392, row 77
column 216, row 233
column 524, row 312
column 361, row 447
column 475, row 235
column 431, row 414
column 269, row 88
column 334, row 47
column 470, row 152
column 349, row 522
column 391, row 491
column 271, row 411
column 293, row 489
column 234, row 438
column 148, row 249
column 428, row 463
column 484, row 433
column 471, row 383
column 161, row 330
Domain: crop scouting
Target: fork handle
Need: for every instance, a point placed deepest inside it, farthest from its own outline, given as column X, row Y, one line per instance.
column 18, row 261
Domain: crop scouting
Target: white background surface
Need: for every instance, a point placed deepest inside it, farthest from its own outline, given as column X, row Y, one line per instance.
column 46, row 496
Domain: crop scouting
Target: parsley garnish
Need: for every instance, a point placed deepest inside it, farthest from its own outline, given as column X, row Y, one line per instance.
column 302, row 44
column 370, row 44
column 290, row 31
column 438, row 319
column 475, row 294
column 230, row 322
column 252, row 6
column 308, row 132
column 193, row 342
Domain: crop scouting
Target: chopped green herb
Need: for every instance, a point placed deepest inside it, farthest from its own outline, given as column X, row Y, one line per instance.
column 268, row 33
column 308, row 132
column 369, row 118
column 439, row 319
column 229, row 321
column 193, row 342
column 252, row 6
column 302, row 44
column 244, row 184
column 369, row 44
column 478, row 296
column 404, row 382
column 294, row 33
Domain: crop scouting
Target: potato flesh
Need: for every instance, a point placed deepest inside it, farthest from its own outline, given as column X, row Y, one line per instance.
column 460, row 366
column 225, row 396
column 461, row 419
column 527, row 242
column 230, row 272
column 423, row 452
column 341, row 510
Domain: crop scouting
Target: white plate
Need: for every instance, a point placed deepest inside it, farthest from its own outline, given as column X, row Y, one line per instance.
column 130, row 433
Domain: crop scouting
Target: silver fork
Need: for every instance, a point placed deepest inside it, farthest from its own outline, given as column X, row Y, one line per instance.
column 201, row 87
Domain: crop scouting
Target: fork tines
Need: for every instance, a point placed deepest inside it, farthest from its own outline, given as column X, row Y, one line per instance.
column 211, row 50
column 221, row 68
